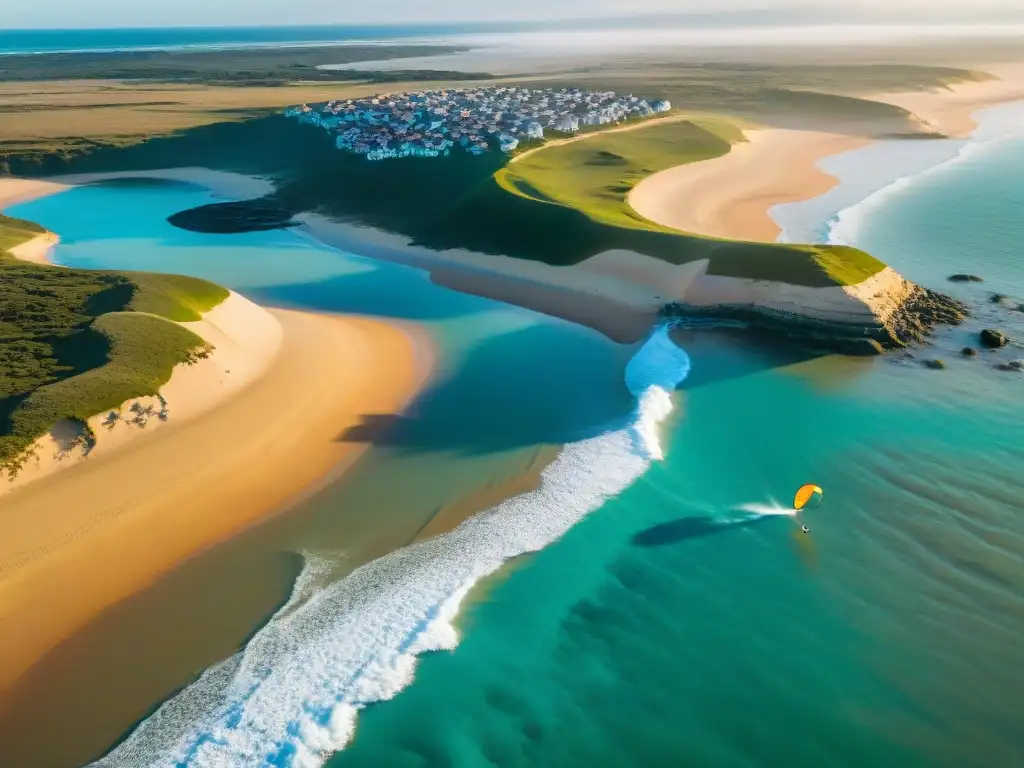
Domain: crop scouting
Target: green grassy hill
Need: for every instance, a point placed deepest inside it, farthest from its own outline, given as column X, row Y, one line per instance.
column 74, row 343
column 594, row 177
column 560, row 205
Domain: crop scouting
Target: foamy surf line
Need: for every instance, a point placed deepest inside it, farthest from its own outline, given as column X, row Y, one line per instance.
column 844, row 227
column 291, row 698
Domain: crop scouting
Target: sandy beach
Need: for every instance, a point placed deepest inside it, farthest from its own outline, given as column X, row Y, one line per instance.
column 252, row 430
column 731, row 196
column 950, row 111
column 36, row 250
column 246, row 339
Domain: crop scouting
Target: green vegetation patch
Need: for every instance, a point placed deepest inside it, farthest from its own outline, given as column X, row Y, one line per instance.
column 176, row 297
column 74, row 343
column 594, row 175
column 560, row 205
column 141, row 351
column 14, row 232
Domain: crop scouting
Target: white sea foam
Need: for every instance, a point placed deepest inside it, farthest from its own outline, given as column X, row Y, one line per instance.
column 760, row 509
column 870, row 176
column 845, row 227
column 292, row 696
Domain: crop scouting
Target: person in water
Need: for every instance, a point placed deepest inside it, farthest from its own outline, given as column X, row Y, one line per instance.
column 805, row 529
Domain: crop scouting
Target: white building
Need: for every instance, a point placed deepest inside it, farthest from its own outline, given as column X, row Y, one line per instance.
column 507, row 143
column 567, row 124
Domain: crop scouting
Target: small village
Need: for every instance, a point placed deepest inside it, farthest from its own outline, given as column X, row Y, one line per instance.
column 432, row 123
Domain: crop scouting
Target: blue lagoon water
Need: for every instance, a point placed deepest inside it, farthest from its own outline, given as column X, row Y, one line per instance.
column 206, row 38
column 668, row 617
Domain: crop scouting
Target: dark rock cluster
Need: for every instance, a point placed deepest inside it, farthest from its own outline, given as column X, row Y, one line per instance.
column 993, row 339
column 918, row 316
column 910, row 325
column 960, row 278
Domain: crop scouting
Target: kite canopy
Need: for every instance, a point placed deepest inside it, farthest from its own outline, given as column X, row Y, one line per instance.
column 805, row 494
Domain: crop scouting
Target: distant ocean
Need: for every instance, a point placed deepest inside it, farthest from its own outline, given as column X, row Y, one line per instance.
column 776, row 27
column 187, row 38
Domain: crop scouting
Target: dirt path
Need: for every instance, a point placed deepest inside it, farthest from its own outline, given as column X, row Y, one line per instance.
column 620, row 129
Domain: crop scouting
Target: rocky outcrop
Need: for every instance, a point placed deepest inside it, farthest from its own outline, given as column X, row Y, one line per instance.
column 993, row 339
column 883, row 312
column 920, row 313
column 965, row 278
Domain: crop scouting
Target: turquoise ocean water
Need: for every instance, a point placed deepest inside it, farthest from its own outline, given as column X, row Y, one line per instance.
column 678, row 623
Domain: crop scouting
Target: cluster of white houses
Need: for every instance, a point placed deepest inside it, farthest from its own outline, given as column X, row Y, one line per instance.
column 432, row 123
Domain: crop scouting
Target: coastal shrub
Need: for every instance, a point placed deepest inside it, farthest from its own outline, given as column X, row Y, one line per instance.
column 578, row 174
column 16, row 231
column 175, row 297
column 143, row 350
column 75, row 342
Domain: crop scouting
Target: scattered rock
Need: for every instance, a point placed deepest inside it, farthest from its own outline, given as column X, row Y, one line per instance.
column 1013, row 365
column 968, row 351
column 935, row 364
column 993, row 339
column 960, row 278
column 920, row 313
column 998, row 298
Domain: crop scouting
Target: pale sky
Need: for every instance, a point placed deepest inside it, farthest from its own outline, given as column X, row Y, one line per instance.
column 124, row 13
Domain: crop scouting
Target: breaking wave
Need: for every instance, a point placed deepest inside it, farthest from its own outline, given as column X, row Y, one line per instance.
column 844, row 227
column 291, row 697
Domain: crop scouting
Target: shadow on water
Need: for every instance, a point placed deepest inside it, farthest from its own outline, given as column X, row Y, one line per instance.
column 686, row 528
column 539, row 385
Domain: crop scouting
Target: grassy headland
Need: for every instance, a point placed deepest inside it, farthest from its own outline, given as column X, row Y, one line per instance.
column 560, row 205
column 74, row 343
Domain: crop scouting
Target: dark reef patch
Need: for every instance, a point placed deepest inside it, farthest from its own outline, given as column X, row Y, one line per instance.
column 234, row 217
